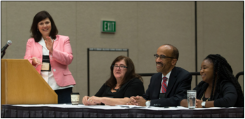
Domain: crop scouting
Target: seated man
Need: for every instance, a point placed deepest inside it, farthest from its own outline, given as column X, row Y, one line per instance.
column 170, row 85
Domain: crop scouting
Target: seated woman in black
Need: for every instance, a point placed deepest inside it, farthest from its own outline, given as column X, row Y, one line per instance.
column 219, row 87
column 122, row 84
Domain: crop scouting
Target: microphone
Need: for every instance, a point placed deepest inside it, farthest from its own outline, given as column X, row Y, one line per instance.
column 6, row 46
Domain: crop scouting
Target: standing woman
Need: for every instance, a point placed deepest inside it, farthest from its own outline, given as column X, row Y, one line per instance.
column 51, row 54
column 219, row 87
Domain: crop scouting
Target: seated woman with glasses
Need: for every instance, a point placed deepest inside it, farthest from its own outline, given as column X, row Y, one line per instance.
column 122, row 84
column 219, row 87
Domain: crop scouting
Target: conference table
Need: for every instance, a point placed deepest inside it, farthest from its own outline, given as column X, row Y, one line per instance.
column 119, row 111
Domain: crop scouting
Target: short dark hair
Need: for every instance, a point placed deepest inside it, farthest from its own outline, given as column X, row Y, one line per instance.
column 223, row 71
column 34, row 29
column 130, row 74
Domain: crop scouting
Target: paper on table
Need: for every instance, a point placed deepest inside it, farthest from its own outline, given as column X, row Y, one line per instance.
column 130, row 106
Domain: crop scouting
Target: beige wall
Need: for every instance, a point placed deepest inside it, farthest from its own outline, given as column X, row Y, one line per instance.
column 141, row 27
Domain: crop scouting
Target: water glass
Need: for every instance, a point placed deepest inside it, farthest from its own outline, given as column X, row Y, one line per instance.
column 191, row 99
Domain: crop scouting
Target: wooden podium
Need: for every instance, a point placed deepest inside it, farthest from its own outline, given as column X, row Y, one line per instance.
column 22, row 84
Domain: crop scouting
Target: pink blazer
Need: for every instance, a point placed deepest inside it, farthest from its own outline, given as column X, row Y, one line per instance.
column 59, row 60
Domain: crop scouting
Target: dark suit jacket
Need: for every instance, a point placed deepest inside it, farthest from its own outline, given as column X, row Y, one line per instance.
column 178, row 84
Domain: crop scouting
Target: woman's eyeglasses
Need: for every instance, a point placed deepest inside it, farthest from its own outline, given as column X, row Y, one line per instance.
column 120, row 67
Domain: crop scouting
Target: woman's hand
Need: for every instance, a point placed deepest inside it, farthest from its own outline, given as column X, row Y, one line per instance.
column 198, row 103
column 131, row 101
column 85, row 100
column 49, row 44
column 94, row 100
column 35, row 61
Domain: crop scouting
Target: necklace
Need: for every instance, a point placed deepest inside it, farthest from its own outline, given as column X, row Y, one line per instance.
column 204, row 97
column 116, row 89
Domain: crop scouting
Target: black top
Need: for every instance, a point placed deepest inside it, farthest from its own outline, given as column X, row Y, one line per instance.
column 226, row 97
column 133, row 87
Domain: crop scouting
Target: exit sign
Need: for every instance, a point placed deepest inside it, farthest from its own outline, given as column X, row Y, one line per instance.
column 108, row 26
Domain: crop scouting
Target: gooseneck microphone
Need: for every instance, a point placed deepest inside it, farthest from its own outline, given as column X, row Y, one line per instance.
column 6, row 46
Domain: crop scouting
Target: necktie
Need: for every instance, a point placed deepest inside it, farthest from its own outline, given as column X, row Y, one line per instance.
column 164, row 85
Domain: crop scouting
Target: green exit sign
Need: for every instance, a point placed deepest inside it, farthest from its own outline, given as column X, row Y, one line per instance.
column 108, row 26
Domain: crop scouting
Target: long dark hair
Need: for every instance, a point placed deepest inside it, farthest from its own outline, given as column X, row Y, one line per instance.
column 224, row 72
column 34, row 29
column 130, row 74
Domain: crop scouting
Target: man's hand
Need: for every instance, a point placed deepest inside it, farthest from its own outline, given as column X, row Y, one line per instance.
column 132, row 101
column 140, row 101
